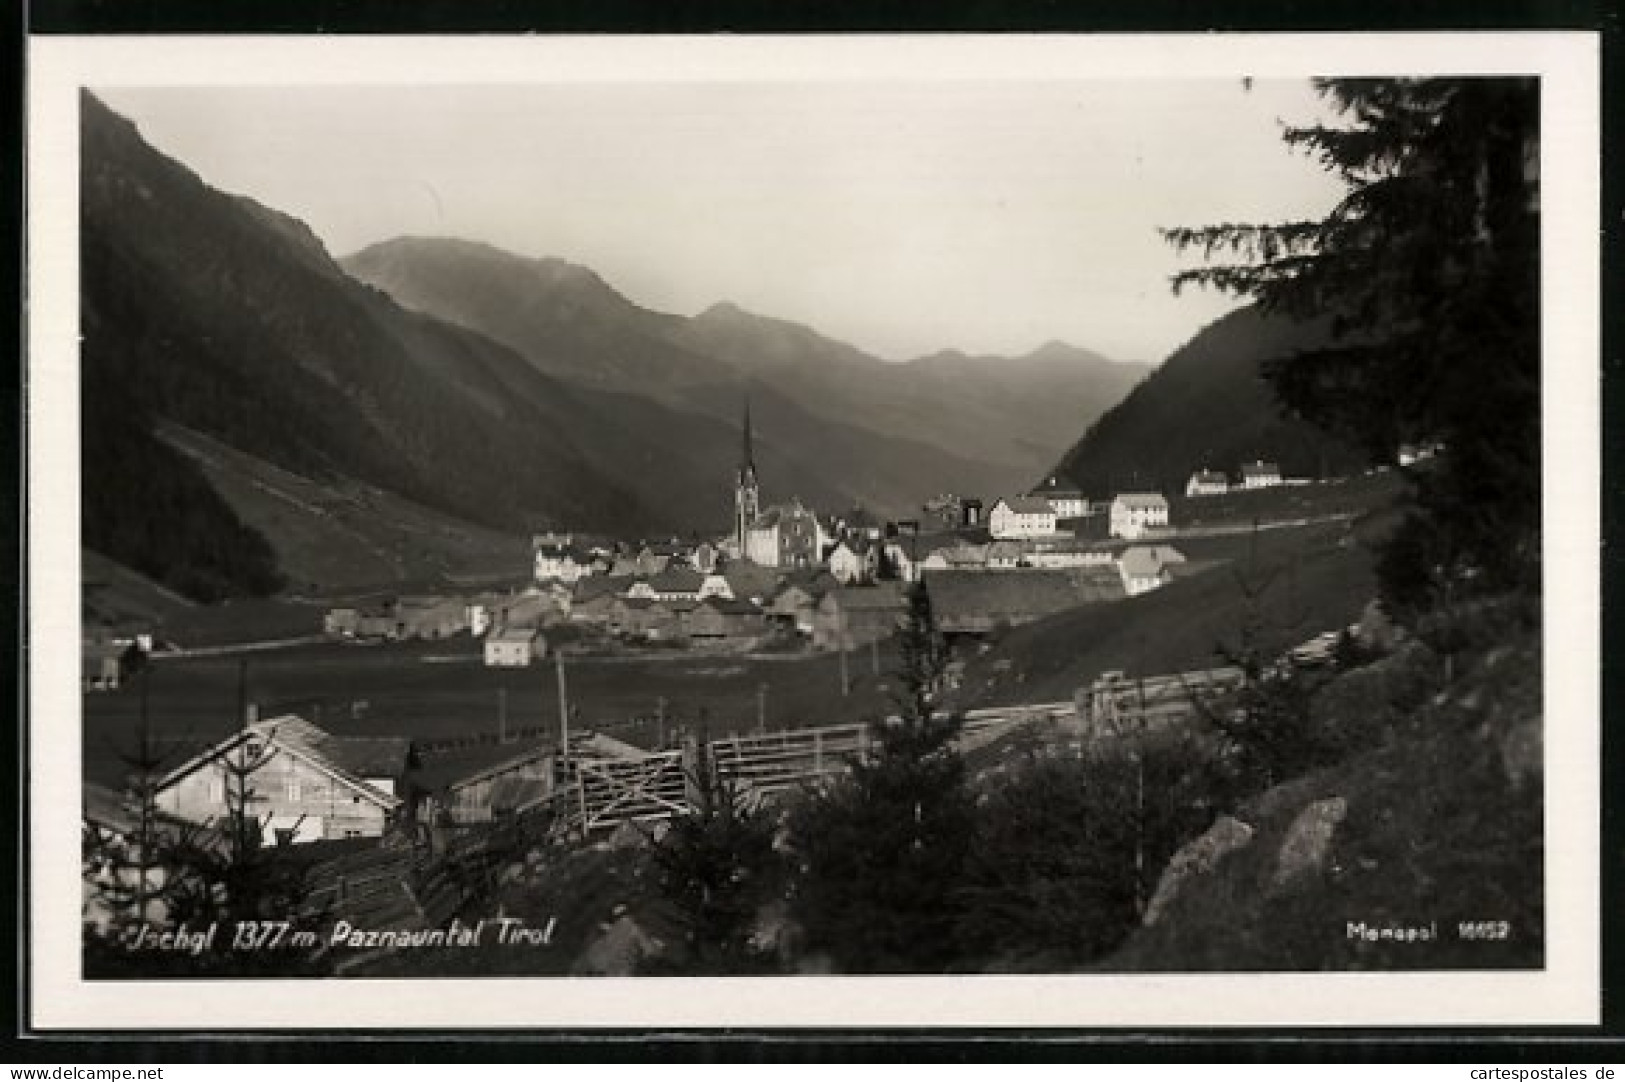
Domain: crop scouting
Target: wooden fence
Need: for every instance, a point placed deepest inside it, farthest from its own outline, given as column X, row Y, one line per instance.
column 603, row 793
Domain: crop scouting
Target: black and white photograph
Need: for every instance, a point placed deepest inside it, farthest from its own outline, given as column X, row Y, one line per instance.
column 1105, row 525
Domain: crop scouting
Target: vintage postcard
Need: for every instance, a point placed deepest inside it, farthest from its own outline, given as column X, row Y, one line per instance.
column 1059, row 531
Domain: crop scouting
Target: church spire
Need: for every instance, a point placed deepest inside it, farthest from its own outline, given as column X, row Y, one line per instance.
column 747, row 457
column 747, row 495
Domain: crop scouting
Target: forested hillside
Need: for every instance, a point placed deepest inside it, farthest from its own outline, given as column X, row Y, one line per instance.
column 1207, row 407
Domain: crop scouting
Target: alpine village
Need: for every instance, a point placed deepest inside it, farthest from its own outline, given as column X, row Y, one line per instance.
column 447, row 613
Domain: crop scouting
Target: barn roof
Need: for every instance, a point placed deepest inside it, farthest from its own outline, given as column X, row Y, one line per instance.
column 879, row 597
column 959, row 596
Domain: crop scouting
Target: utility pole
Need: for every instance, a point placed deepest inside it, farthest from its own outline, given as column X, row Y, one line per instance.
column 660, row 722
column 874, row 655
column 502, row 714
column 840, row 625
column 564, row 710
column 761, row 708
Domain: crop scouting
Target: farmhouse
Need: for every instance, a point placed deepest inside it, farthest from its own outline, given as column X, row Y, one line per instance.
column 485, row 783
column 304, row 784
column 977, row 602
column 718, row 618
column 1055, row 555
column 1260, row 474
column 114, row 866
column 1021, row 516
column 430, row 617
column 793, row 609
column 105, row 663
column 1133, row 513
column 1207, row 483
column 514, row 648
column 1145, row 567
column 853, row 560
column 558, row 558
column 1067, row 501
column 857, row 615
column 1005, row 555
column 961, row 557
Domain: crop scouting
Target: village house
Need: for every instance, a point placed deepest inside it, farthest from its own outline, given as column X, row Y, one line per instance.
column 1006, row 555
column 722, row 619
column 853, row 560
column 980, row 602
column 1260, row 474
column 429, row 617
column 485, row 783
column 644, row 618
column 960, row 557
column 341, row 622
column 304, row 784
column 1067, row 501
column 106, row 662
column 514, row 647
column 1057, row 555
column 857, row 615
column 644, row 563
column 786, row 536
column 706, row 558
column 1143, row 568
column 558, row 558
column 1021, row 516
column 897, row 555
column 1134, row 513
column 970, row 512
column 1410, row 454
column 793, row 609
column 115, row 866
column 676, row 583
column 715, row 585
column 1207, row 483
column 376, row 622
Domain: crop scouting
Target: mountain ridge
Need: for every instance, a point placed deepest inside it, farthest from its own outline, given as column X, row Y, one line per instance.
column 961, row 408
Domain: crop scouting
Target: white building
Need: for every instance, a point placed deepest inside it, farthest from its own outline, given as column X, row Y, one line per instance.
column 1067, row 501
column 1260, row 474
column 1133, row 513
column 1022, row 516
column 514, row 648
column 1207, row 483
column 1145, row 567
column 559, row 560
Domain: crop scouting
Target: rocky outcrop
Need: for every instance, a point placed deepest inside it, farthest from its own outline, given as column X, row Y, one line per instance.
column 1308, row 840
column 1197, row 858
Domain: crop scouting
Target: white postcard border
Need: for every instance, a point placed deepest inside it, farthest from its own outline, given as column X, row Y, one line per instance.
column 1566, row 992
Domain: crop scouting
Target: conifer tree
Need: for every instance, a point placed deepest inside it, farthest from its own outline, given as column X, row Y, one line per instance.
column 882, row 848
column 1427, row 274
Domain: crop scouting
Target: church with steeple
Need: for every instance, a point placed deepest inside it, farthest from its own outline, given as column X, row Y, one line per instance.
column 747, row 490
column 785, row 535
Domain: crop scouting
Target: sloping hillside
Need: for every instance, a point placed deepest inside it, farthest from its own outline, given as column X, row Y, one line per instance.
column 1305, row 581
column 1207, row 407
column 340, row 535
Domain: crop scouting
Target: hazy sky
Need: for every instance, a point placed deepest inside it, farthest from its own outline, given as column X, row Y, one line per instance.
column 901, row 217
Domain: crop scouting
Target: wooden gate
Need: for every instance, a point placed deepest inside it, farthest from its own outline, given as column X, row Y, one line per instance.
column 610, row 792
